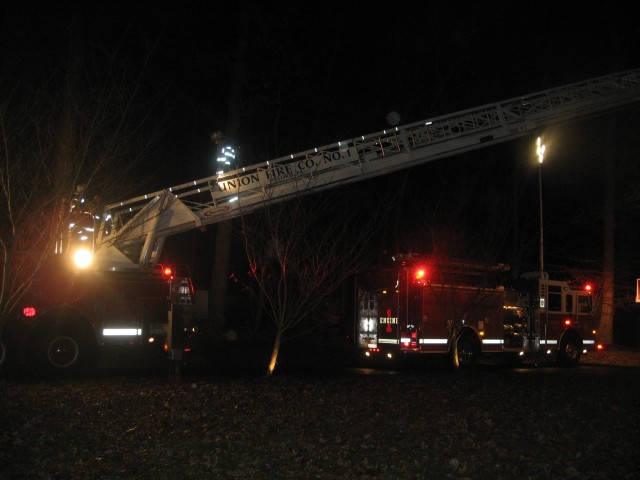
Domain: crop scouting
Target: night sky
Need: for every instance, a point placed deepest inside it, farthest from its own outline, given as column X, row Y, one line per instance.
column 318, row 72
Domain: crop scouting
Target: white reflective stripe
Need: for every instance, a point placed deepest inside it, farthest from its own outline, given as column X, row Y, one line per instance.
column 405, row 339
column 387, row 340
column 434, row 341
column 589, row 342
column 492, row 341
column 372, row 345
column 548, row 342
column 121, row 332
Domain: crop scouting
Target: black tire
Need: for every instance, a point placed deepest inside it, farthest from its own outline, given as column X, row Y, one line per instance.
column 569, row 352
column 465, row 352
column 64, row 350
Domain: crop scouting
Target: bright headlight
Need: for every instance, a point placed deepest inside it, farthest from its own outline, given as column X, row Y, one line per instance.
column 82, row 258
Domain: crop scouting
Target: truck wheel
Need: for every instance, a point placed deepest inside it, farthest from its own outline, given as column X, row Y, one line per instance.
column 569, row 352
column 64, row 350
column 465, row 352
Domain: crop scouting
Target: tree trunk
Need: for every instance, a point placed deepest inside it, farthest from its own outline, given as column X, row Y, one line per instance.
column 274, row 353
column 222, row 257
column 516, row 250
column 66, row 155
column 219, row 276
column 608, row 270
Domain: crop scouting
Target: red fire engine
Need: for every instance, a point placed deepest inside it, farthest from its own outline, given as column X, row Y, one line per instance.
column 458, row 310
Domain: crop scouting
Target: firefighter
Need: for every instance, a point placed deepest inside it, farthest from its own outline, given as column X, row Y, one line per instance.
column 77, row 200
column 78, row 205
column 225, row 153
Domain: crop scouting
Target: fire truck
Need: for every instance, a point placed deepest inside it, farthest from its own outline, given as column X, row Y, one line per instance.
column 69, row 314
column 125, row 246
column 459, row 309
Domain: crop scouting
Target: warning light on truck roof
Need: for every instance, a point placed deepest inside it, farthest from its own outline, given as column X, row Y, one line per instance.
column 420, row 275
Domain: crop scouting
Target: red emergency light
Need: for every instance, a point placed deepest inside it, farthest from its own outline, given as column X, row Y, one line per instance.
column 588, row 287
column 167, row 272
column 29, row 311
column 420, row 275
column 568, row 322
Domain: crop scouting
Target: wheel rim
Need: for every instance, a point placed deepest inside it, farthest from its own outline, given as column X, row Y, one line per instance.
column 63, row 352
column 571, row 351
column 465, row 354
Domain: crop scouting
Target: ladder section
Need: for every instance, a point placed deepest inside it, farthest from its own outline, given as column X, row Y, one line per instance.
column 137, row 227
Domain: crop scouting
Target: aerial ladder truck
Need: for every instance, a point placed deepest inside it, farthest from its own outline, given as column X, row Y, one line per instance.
column 136, row 229
column 130, row 239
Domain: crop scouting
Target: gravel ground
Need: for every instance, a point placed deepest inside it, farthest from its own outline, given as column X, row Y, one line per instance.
column 489, row 423
column 618, row 356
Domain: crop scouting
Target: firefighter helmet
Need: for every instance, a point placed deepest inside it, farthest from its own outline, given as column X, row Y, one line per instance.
column 217, row 136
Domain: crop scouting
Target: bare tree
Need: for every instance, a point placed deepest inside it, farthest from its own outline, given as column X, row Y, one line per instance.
column 301, row 251
column 76, row 131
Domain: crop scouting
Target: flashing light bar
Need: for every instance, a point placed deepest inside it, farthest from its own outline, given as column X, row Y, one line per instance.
column 121, row 332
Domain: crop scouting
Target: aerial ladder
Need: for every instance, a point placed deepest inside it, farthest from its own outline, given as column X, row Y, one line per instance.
column 133, row 232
